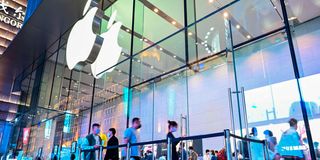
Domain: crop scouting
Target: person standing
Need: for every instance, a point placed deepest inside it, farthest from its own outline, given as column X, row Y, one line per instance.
column 193, row 155
column 130, row 136
column 172, row 126
column 112, row 154
column 291, row 139
column 92, row 141
column 208, row 155
column 256, row 148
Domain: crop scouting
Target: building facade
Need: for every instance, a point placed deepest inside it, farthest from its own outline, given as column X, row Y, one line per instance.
column 209, row 65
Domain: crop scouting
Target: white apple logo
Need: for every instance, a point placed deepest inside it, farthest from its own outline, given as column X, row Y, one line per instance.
column 82, row 39
column 110, row 49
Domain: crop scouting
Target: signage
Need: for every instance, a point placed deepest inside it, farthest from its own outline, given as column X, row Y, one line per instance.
column 47, row 129
column 26, row 134
column 67, row 123
column 11, row 16
column 87, row 46
column 74, row 147
column 56, row 149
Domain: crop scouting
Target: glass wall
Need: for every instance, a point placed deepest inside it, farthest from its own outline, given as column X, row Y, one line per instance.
column 208, row 65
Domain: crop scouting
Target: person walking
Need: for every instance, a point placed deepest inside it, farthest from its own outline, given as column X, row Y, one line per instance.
column 130, row 136
column 112, row 154
column 92, row 141
column 172, row 127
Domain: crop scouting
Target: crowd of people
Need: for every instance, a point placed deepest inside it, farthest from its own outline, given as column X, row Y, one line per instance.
column 289, row 146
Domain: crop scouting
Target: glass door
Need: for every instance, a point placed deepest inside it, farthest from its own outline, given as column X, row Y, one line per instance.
column 266, row 87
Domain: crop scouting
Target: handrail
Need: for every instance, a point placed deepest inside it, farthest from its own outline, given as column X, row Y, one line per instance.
column 226, row 134
column 247, row 139
column 212, row 135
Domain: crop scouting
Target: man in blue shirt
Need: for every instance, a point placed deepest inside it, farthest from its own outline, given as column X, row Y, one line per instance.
column 130, row 136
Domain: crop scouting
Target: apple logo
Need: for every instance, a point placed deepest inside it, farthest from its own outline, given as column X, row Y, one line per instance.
column 85, row 46
column 110, row 50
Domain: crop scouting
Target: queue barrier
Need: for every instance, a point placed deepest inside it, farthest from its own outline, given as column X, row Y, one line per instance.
column 226, row 134
column 250, row 140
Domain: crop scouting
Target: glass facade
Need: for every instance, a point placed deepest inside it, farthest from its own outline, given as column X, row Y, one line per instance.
column 209, row 65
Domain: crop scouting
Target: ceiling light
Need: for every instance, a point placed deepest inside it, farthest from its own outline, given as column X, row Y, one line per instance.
column 119, row 71
column 190, row 33
column 211, row 29
column 156, row 10
column 173, row 22
column 138, row 60
column 206, row 37
column 145, row 40
column 292, row 18
column 141, row 39
column 225, row 14
column 174, row 56
column 238, row 26
column 205, row 45
column 151, row 67
column 160, row 49
column 210, row 1
column 248, row 36
column 208, row 33
column 127, row 30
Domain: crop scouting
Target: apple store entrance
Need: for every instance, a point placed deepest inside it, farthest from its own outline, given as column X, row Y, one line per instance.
column 247, row 66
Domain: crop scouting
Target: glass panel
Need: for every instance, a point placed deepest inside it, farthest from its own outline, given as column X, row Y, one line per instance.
column 47, row 80
column 159, row 59
column 155, row 20
column 266, row 87
column 304, row 19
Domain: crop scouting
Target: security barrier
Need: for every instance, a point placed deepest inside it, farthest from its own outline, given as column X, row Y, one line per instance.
column 227, row 142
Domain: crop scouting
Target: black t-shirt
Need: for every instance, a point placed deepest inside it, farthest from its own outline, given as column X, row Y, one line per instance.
column 114, row 152
column 174, row 147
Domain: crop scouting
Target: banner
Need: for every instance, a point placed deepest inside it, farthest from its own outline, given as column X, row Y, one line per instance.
column 26, row 133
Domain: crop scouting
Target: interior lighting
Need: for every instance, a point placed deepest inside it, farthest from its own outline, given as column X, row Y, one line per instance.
column 238, row 26
column 160, row 49
column 211, row 29
column 211, row 1
column 174, row 22
column 156, row 10
column 225, row 14
column 292, row 18
column 190, row 33
column 248, row 36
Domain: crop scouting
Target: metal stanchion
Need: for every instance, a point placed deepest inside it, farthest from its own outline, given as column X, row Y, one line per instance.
column 128, row 152
column 266, row 152
column 169, row 149
column 228, row 144
column 100, row 152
